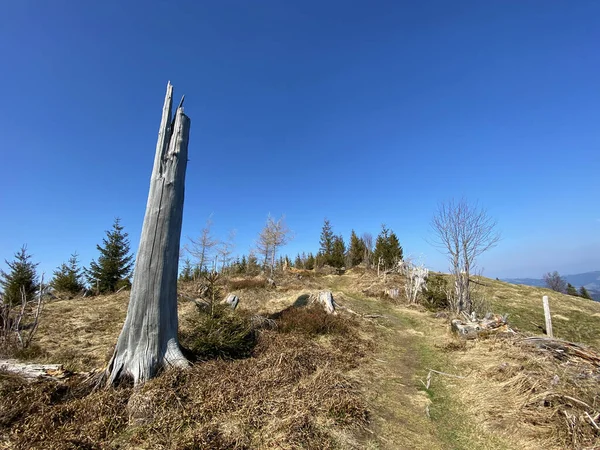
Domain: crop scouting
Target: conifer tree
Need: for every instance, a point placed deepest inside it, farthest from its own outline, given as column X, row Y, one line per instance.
column 252, row 267
column 187, row 273
column 21, row 278
column 356, row 252
column 571, row 290
column 310, row 262
column 320, row 259
column 298, row 262
column 338, row 253
column 395, row 249
column 243, row 266
column 68, row 277
column 114, row 263
column 326, row 243
column 387, row 248
column 583, row 292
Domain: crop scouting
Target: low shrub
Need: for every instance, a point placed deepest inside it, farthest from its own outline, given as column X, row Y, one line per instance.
column 246, row 283
column 219, row 333
column 312, row 320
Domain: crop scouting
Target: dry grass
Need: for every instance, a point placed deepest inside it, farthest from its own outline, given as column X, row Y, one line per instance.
column 294, row 391
column 81, row 332
column 310, row 382
column 514, row 395
column 528, row 396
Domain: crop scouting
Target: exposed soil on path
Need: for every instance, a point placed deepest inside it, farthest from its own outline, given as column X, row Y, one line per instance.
column 409, row 342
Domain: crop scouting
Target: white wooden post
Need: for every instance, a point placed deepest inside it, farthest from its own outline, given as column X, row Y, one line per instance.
column 547, row 316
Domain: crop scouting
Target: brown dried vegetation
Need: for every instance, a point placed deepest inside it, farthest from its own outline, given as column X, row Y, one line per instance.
column 293, row 391
column 536, row 394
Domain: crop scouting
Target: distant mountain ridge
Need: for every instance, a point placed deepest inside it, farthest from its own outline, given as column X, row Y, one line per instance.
column 589, row 280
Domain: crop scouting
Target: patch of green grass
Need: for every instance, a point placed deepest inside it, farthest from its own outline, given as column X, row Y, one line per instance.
column 453, row 426
column 574, row 319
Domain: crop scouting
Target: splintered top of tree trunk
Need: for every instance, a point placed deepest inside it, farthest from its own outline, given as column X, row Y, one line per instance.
column 148, row 341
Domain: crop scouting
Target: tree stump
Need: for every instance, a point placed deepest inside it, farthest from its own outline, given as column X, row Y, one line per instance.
column 148, row 340
column 231, row 300
column 325, row 299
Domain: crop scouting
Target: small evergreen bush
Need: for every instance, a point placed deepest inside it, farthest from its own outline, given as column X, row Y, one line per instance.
column 435, row 297
column 219, row 333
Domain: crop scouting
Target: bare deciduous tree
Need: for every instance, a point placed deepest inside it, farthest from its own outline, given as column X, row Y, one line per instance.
column 18, row 323
column 202, row 247
column 225, row 249
column 367, row 239
column 555, row 282
column 274, row 235
column 463, row 231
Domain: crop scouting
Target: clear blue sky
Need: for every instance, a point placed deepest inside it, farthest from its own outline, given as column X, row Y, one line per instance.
column 362, row 112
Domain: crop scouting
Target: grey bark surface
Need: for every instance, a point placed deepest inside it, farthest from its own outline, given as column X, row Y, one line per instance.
column 148, row 340
column 325, row 299
column 232, row 300
column 32, row 371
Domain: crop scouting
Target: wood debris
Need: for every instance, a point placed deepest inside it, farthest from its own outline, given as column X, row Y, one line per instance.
column 471, row 327
column 564, row 349
column 34, row 371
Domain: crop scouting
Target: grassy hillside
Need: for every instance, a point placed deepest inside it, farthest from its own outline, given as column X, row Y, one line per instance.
column 574, row 319
column 361, row 379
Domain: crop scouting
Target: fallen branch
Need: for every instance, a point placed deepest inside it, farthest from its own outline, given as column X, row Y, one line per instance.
column 439, row 373
column 34, row 371
column 447, row 374
column 573, row 399
column 592, row 421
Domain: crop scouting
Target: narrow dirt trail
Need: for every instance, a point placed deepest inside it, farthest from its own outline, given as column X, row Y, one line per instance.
column 405, row 415
column 399, row 419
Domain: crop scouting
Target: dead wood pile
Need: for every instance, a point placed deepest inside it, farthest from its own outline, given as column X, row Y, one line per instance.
column 564, row 350
column 471, row 327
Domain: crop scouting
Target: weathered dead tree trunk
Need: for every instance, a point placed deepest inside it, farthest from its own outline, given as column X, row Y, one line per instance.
column 148, row 341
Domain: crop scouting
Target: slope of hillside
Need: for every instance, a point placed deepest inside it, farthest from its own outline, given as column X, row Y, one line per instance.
column 574, row 318
column 380, row 375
